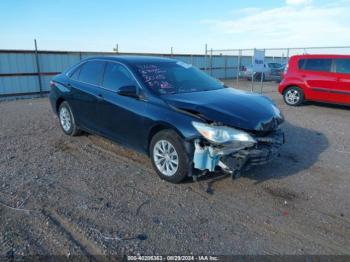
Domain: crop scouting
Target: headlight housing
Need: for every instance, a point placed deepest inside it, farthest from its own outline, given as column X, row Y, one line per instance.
column 223, row 134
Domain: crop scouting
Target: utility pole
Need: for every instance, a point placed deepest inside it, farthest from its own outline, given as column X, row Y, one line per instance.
column 116, row 49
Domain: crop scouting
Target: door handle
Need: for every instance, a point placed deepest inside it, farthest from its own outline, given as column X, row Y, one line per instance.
column 99, row 97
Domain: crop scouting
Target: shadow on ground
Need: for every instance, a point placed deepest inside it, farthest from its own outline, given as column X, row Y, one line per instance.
column 320, row 104
column 302, row 150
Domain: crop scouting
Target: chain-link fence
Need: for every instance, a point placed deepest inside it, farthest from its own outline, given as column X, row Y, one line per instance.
column 240, row 58
column 239, row 61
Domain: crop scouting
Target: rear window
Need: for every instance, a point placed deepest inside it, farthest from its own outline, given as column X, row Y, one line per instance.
column 316, row 64
column 75, row 74
column 91, row 72
column 342, row 65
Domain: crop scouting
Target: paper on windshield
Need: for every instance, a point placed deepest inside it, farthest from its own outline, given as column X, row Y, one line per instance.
column 183, row 64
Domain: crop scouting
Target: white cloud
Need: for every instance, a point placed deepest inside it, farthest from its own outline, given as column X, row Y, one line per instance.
column 298, row 2
column 246, row 11
column 298, row 23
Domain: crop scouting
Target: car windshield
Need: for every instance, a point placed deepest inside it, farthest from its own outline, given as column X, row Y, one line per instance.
column 175, row 77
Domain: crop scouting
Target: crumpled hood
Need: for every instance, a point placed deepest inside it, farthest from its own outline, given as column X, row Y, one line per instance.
column 230, row 107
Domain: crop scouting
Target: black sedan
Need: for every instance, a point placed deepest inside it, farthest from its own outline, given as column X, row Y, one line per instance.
column 181, row 117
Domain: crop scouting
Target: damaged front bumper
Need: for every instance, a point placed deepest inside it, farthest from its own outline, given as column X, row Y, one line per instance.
column 232, row 158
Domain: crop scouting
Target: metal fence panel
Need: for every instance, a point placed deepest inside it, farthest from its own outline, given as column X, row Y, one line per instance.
column 17, row 62
column 19, row 71
column 19, row 85
column 57, row 62
column 45, row 83
column 199, row 61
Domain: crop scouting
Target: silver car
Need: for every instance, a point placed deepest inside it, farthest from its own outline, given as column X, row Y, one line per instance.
column 271, row 71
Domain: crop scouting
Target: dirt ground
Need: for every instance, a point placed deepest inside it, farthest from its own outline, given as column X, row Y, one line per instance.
column 85, row 195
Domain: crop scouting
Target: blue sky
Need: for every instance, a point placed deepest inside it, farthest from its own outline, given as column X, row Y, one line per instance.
column 156, row 25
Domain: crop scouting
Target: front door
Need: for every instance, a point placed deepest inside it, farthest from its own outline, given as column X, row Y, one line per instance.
column 120, row 117
column 319, row 78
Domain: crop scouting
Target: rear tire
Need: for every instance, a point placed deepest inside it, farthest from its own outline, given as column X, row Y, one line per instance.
column 257, row 77
column 293, row 96
column 168, row 156
column 67, row 120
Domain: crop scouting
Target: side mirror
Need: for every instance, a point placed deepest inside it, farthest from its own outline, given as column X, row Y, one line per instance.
column 130, row 91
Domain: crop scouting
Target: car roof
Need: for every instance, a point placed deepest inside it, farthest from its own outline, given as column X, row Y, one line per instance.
column 320, row 56
column 133, row 59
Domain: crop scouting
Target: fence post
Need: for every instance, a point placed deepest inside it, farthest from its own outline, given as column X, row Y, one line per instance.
column 80, row 56
column 225, row 74
column 238, row 65
column 205, row 58
column 262, row 77
column 287, row 55
column 171, row 51
column 38, row 67
column 252, row 89
column 211, row 61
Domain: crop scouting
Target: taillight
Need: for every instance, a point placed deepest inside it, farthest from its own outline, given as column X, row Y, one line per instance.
column 52, row 84
column 286, row 69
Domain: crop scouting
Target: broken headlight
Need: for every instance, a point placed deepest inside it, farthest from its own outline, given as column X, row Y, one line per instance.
column 223, row 134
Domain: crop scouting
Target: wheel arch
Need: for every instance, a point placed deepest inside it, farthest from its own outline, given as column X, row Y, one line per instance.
column 157, row 128
column 59, row 101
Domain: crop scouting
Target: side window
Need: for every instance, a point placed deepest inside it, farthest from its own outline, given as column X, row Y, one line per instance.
column 91, row 72
column 315, row 64
column 75, row 74
column 116, row 76
column 301, row 63
column 342, row 65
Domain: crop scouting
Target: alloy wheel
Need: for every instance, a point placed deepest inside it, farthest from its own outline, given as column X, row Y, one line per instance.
column 165, row 157
column 65, row 119
column 292, row 96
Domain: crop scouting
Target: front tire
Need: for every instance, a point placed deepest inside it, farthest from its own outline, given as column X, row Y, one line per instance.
column 67, row 120
column 293, row 96
column 168, row 156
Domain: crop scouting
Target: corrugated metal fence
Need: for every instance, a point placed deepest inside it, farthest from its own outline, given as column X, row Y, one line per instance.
column 25, row 72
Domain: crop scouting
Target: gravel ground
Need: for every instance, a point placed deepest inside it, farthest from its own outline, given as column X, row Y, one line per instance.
column 85, row 195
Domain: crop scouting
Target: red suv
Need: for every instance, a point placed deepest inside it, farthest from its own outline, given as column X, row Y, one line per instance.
column 324, row 78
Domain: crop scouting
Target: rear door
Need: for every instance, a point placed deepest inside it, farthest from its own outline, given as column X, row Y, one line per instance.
column 85, row 95
column 318, row 76
column 342, row 92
